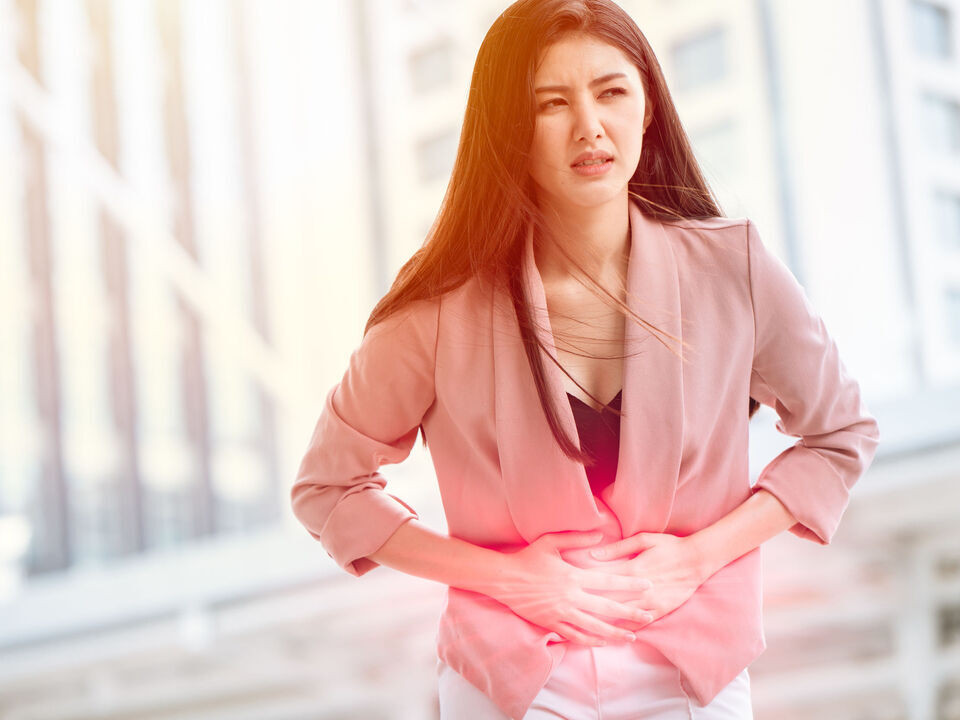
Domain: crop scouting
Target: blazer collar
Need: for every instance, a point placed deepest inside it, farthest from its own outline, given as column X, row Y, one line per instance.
column 548, row 492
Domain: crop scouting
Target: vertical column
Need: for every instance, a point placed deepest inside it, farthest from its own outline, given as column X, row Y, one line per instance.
column 774, row 87
column 51, row 550
column 364, row 29
column 892, row 146
column 21, row 453
column 178, row 155
column 114, row 266
column 916, row 631
column 269, row 509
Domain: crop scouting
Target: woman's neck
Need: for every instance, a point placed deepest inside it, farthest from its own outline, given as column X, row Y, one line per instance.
column 597, row 237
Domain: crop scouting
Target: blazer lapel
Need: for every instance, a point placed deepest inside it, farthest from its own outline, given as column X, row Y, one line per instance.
column 651, row 431
column 545, row 490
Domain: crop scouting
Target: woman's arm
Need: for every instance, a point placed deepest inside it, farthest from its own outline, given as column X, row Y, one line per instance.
column 418, row 550
column 369, row 419
column 797, row 371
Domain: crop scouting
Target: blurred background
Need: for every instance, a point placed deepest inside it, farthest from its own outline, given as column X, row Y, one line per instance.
column 201, row 201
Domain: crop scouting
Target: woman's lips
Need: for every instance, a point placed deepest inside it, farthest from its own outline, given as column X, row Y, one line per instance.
column 592, row 170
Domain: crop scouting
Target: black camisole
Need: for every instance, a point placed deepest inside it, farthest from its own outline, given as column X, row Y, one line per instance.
column 600, row 437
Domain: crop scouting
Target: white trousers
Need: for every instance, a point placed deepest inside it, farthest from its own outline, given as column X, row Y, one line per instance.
column 612, row 682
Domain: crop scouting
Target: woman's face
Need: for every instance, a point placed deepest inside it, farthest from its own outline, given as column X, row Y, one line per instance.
column 585, row 116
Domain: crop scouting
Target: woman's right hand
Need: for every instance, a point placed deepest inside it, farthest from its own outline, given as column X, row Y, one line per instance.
column 543, row 588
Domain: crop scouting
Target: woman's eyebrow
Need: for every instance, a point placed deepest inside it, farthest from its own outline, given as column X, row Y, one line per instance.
column 598, row 81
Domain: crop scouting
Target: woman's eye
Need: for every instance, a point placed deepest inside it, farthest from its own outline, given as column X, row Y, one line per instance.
column 549, row 103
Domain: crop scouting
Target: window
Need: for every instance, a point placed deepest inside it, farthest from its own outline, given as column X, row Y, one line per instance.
column 948, row 631
column 947, row 213
column 435, row 155
column 941, row 123
column 931, row 29
column 431, row 67
column 716, row 147
column 948, row 567
column 952, row 311
column 700, row 60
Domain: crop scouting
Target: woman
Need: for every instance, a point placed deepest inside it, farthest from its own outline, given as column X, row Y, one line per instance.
column 576, row 202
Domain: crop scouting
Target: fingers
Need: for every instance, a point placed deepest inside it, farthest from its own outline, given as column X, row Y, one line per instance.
column 576, row 635
column 573, row 539
column 599, row 629
column 581, row 624
column 626, row 546
column 611, row 608
column 613, row 550
column 610, row 581
column 601, row 633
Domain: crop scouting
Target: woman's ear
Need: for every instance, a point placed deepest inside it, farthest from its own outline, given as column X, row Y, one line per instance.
column 647, row 113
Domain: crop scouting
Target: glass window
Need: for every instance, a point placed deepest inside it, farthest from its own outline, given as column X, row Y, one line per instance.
column 431, row 67
column 952, row 310
column 700, row 59
column 947, row 209
column 941, row 121
column 931, row 29
column 435, row 155
column 949, row 622
column 716, row 147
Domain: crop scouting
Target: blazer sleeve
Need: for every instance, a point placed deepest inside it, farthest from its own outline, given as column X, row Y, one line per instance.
column 798, row 372
column 370, row 418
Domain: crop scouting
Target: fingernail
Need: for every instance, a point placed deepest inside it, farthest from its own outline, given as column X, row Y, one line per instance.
column 630, row 636
column 598, row 553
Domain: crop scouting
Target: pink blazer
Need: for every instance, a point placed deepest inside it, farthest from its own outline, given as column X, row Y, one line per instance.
column 456, row 365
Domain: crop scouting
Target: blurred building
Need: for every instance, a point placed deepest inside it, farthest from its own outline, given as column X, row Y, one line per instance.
column 199, row 206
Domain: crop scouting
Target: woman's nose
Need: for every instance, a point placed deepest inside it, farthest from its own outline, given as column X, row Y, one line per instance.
column 588, row 125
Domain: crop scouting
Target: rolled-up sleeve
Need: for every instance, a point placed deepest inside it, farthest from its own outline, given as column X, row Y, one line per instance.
column 369, row 419
column 798, row 372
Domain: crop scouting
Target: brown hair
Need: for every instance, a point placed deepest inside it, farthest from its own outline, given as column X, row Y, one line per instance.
column 481, row 228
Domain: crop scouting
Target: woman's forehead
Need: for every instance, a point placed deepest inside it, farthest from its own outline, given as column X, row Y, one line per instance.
column 581, row 58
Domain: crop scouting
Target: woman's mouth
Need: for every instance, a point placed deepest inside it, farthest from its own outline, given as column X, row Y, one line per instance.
column 593, row 167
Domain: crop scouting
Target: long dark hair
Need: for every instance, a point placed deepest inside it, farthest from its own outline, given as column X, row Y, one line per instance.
column 481, row 228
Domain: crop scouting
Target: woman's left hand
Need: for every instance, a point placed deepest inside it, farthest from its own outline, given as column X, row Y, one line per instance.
column 674, row 565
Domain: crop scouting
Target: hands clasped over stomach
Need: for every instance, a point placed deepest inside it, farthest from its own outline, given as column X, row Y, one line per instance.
column 544, row 588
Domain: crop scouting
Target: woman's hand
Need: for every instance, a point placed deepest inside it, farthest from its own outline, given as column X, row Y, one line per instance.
column 543, row 588
column 673, row 565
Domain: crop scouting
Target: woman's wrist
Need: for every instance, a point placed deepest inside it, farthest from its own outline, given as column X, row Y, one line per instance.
column 705, row 561
column 761, row 516
column 418, row 550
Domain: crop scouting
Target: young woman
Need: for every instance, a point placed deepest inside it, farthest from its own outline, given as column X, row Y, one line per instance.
column 527, row 339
